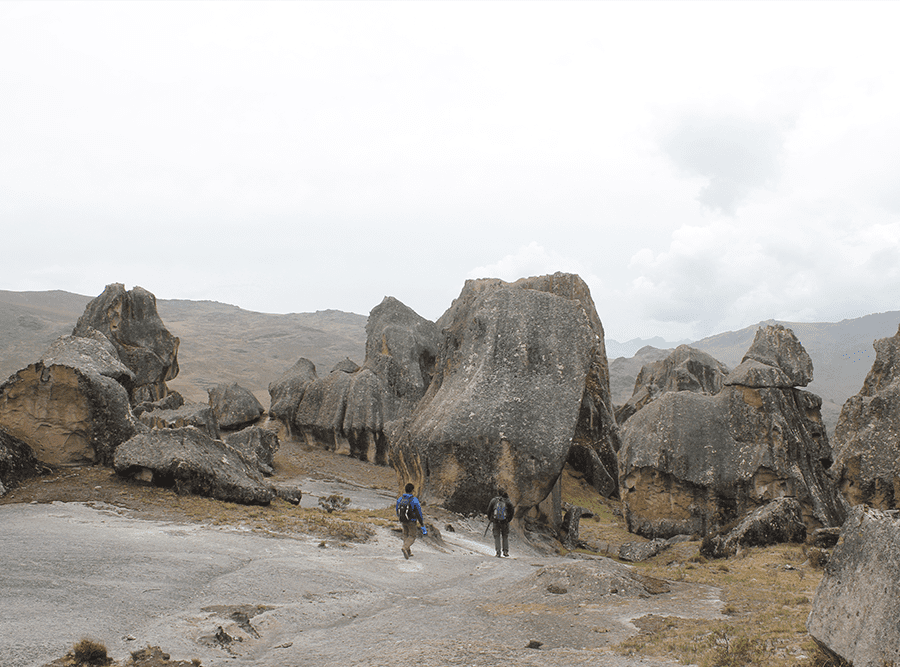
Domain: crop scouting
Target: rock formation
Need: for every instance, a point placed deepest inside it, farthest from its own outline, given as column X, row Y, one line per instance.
column 130, row 321
column 17, row 462
column 857, row 604
column 691, row 463
column 776, row 522
column 257, row 445
column 866, row 444
column 235, row 407
column 350, row 410
column 684, row 369
column 199, row 415
column 71, row 407
column 521, row 380
column 190, row 461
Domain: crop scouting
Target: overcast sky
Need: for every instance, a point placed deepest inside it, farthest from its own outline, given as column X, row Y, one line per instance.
column 703, row 166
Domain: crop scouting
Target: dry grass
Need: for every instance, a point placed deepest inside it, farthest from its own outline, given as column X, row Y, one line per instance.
column 766, row 592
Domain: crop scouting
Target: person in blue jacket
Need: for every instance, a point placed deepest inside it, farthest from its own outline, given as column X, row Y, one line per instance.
column 500, row 512
column 409, row 511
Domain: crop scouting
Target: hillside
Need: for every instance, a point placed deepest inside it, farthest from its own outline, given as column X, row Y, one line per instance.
column 219, row 342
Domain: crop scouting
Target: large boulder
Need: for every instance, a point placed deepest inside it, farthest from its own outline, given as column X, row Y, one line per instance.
column 257, row 445
column 286, row 392
column 857, row 604
column 71, row 407
column 234, row 406
column 691, row 463
column 684, row 369
column 521, row 379
column 867, row 455
column 191, row 462
column 17, row 462
column 130, row 320
column 777, row 522
column 199, row 415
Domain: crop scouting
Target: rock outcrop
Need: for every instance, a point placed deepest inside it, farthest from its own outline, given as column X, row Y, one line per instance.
column 776, row 522
column 867, row 436
column 71, row 407
column 257, row 445
column 684, row 369
column 199, row 415
column 857, row 604
column 350, row 411
column 129, row 319
column 17, row 462
column 234, row 406
column 521, row 379
column 191, row 462
column 691, row 463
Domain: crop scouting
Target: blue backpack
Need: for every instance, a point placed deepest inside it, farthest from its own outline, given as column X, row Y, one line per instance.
column 499, row 515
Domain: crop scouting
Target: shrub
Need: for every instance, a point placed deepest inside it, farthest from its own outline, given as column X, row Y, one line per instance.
column 89, row 652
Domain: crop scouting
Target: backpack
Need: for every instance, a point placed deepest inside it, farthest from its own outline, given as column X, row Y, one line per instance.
column 499, row 515
column 406, row 511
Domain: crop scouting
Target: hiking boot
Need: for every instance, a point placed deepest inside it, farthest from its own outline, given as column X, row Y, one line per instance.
column 506, row 554
column 498, row 554
column 406, row 553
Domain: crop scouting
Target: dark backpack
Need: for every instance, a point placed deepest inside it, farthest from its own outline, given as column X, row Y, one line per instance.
column 407, row 511
column 499, row 511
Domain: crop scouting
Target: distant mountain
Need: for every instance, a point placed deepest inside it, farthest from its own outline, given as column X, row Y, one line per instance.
column 219, row 342
column 615, row 349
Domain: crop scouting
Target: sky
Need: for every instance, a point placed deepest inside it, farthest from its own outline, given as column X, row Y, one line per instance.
column 702, row 166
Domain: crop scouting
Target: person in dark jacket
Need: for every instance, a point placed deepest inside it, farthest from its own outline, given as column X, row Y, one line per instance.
column 500, row 512
column 410, row 523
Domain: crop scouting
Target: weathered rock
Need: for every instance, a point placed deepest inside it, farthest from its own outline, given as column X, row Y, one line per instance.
column 346, row 365
column 401, row 349
column 637, row 552
column 826, row 538
column 777, row 346
column 199, row 415
column 257, row 445
column 774, row 523
column 320, row 416
column 521, row 377
column 568, row 530
column 17, row 462
column 130, row 321
column 172, row 401
column 857, row 604
column 287, row 391
column 691, row 463
column 867, row 455
column 193, row 463
column 234, row 406
column 70, row 407
column 364, row 417
column 684, row 369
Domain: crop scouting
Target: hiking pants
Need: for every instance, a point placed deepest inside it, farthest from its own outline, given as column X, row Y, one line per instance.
column 501, row 531
column 410, row 533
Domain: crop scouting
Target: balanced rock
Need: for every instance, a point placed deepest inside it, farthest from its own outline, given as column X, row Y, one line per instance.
column 857, row 603
column 71, row 407
column 129, row 319
column 867, row 455
column 234, row 406
column 684, row 369
column 199, row 415
column 521, row 378
column 191, row 462
column 691, row 463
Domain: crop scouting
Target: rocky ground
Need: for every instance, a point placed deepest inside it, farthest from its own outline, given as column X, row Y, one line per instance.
column 223, row 584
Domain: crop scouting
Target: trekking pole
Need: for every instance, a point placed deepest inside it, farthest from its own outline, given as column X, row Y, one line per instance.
column 486, row 528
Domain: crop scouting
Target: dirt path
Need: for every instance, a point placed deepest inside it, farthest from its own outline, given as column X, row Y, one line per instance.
column 228, row 597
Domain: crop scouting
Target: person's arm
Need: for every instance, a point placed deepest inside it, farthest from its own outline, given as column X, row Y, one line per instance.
column 512, row 510
column 490, row 509
column 418, row 506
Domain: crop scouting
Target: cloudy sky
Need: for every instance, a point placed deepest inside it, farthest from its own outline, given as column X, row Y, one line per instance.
column 703, row 166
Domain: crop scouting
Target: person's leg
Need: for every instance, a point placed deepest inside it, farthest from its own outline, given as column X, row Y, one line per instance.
column 496, row 529
column 410, row 532
column 506, row 539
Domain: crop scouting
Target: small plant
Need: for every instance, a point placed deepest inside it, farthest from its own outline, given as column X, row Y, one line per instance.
column 334, row 502
column 818, row 558
column 89, row 652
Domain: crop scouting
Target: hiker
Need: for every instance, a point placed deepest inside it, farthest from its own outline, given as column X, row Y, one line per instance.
column 500, row 512
column 409, row 511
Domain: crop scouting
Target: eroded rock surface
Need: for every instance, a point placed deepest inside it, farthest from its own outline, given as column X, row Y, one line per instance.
column 774, row 523
column 129, row 319
column 234, row 406
column 192, row 462
column 867, row 455
column 857, row 604
column 17, row 462
column 691, row 463
column 521, row 377
column 70, row 407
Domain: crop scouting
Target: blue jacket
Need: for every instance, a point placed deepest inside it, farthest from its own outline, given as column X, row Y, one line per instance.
column 415, row 503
